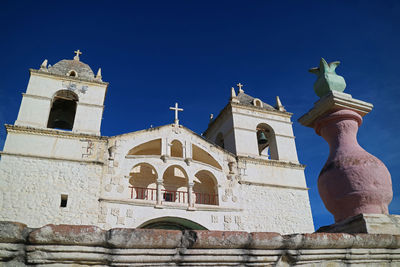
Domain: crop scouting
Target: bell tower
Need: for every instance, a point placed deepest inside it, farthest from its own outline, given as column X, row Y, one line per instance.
column 66, row 96
column 249, row 127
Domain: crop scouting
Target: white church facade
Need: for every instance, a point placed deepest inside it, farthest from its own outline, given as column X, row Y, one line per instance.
column 241, row 174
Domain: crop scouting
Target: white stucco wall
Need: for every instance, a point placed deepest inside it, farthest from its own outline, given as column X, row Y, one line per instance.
column 31, row 191
column 274, row 209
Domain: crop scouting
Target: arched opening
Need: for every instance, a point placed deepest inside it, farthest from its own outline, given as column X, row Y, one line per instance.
column 203, row 156
column 219, row 140
column 205, row 188
column 149, row 148
column 266, row 142
column 63, row 109
column 258, row 103
column 172, row 223
column 143, row 180
column 175, row 181
column 72, row 73
column 176, row 149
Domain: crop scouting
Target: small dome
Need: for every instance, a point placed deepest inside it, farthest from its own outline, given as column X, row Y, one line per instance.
column 72, row 68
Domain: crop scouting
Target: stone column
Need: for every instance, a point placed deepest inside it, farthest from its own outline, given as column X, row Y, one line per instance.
column 159, row 194
column 352, row 181
column 190, row 197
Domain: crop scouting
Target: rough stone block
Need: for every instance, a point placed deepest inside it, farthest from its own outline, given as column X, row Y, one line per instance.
column 220, row 239
column 144, row 238
column 366, row 223
column 69, row 235
column 12, row 232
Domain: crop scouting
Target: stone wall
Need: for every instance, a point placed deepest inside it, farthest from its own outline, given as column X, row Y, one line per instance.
column 66, row 245
column 284, row 210
column 31, row 188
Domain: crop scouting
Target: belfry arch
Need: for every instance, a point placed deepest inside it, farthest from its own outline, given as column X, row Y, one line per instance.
column 63, row 110
column 266, row 141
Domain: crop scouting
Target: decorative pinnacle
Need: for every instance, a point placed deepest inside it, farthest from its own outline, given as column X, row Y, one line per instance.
column 44, row 65
column 279, row 105
column 98, row 75
column 327, row 79
column 233, row 96
column 78, row 52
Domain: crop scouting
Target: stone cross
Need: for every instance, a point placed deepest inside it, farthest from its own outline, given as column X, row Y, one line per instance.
column 78, row 52
column 176, row 112
column 240, row 87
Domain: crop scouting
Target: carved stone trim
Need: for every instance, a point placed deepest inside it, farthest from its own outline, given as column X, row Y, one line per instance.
column 170, row 206
column 89, row 105
column 66, row 78
column 51, row 158
column 274, row 185
column 36, row 96
column 52, row 132
column 270, row 162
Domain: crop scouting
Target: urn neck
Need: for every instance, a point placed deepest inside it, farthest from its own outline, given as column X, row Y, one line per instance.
column 339, row 129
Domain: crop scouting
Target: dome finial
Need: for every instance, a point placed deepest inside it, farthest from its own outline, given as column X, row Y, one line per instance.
column 78, row 52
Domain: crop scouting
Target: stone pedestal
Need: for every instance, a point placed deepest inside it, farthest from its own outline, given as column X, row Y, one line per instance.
column 366, row 223
column 352, row 181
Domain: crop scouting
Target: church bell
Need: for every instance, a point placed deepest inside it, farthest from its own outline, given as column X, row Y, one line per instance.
column 262, row 139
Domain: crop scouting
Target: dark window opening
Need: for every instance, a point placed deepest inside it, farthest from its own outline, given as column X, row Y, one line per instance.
column 64, row 200
column 62, row 113
column 72, row 73
column 169, row 197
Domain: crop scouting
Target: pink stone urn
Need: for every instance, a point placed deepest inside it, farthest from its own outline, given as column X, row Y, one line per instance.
column 352, row 181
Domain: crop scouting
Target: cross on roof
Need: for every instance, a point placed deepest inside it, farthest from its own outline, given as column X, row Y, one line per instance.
column 176, row 112
column 78, row 52
column 240, row 87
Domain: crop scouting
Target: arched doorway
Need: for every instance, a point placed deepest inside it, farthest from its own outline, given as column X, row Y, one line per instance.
column 172, row 223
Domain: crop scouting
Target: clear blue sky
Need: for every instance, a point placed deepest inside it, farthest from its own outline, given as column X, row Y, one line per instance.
column 155, row 53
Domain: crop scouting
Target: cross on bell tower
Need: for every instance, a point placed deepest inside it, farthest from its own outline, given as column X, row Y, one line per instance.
column 78, row 52
column 240, row 87
column 176, row 112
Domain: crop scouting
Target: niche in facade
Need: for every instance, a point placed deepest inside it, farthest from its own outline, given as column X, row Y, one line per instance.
column 203, row 156
column 176, row 149
column 149, row 148
column 63, row 109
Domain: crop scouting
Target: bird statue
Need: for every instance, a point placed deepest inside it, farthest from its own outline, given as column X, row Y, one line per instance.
column 327, row 79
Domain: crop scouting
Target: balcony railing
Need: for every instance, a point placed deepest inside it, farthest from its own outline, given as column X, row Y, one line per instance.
column 143, row 193
column 208, row 199
column 173, row 196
